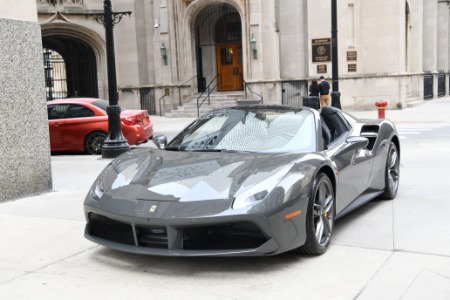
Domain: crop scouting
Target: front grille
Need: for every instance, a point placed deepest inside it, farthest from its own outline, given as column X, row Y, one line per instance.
column 109, row 229
column 241, row 235
column 152, row 237
column 229, row 236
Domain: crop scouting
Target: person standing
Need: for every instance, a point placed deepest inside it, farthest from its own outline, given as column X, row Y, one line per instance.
column 314, row 88
column 324, row 90
column 313, row 99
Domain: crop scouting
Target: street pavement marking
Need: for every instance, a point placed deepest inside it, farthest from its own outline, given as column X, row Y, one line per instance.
column 405, row 131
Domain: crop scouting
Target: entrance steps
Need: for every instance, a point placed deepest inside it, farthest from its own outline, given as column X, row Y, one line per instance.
column 216, row 101
column 414, row 101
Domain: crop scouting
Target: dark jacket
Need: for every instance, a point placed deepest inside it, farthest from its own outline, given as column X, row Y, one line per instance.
column 314, row 90
column 324, row 88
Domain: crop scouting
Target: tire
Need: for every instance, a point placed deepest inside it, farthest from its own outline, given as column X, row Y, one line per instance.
column 391, row 174
column 319, row 217
column 93, row 142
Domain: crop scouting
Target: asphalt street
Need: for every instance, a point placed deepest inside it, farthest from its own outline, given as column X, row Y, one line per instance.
column 396, row 249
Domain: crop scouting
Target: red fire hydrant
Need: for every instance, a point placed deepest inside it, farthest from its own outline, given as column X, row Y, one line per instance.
column 381, row 108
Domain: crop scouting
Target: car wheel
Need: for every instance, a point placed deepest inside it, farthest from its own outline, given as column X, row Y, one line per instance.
column 392, row 173
column 319, row 217
column 93, row 142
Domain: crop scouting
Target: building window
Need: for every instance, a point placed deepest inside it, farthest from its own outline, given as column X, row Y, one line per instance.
column 228, row 29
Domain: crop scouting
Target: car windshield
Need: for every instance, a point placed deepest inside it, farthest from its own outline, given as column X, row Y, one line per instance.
column 252, row 130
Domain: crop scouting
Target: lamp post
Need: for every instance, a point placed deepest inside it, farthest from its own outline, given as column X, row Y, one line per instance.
column 335, row 94
column 115, row 143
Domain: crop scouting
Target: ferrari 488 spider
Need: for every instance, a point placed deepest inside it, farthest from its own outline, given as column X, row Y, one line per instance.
column 246, row 180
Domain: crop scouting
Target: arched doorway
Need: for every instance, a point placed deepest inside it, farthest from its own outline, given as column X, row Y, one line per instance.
column 70, row 68
column 219, row 47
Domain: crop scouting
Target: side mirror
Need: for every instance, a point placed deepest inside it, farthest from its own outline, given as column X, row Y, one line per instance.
column 356, row 142
column 160, row 141
column 353, row 143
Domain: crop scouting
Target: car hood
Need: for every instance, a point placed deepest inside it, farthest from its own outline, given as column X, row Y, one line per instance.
column 197, row 178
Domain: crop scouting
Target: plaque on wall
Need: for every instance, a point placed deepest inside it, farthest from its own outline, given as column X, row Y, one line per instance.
column 352, row 55
column 321, row 50
column 321, row 69
column 352, row 67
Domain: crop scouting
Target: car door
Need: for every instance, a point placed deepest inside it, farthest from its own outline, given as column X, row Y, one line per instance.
column 354, row 167
column 76, row 126
column 354, row 164
column 56, row 114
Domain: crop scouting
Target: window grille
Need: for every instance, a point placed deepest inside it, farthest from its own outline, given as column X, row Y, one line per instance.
column 55, row 75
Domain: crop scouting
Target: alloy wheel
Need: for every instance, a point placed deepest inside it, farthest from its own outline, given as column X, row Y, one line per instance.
column 323, row 213
column 94, row 142
column 393, row 169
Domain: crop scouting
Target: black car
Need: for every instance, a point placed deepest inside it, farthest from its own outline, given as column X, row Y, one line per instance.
column 242, row 181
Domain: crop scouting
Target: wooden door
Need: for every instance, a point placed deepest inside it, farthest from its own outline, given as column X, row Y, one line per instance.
column 229, row 66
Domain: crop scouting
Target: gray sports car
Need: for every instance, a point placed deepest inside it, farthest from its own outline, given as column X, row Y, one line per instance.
column 247, row 180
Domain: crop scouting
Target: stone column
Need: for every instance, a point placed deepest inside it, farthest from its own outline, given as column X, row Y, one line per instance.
column 430, row 36
column 25, row 167
column 416, row 38
column 270, row 53
column 443, row 35
column 293, row 26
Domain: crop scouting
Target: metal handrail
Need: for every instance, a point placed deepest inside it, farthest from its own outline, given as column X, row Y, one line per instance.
column 217, row 77
column 173, row 89
column 247, row 86
column 179, row 88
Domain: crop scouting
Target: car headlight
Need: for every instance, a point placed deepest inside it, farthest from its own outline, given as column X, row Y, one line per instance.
column 98, row 188
column 248, row 200
column 260, row 190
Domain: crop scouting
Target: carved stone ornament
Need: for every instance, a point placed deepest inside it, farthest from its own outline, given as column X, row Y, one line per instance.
column 61, row 2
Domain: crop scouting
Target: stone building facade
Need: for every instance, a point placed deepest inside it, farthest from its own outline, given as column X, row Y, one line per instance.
column 169, row 51
column 25, row 148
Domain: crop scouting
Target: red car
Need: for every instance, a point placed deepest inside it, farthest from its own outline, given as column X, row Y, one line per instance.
column 81, row 124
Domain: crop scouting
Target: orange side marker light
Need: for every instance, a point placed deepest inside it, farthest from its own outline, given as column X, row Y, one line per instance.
column 293, row 214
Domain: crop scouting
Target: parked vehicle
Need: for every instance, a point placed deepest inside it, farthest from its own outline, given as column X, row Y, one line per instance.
column 242, row 181
column 81, row 125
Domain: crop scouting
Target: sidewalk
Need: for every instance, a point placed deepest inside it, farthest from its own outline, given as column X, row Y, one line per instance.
column 437, row 110
column 386, row 249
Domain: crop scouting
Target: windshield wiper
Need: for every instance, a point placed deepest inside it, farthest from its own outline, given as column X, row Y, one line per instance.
column 209, row 150
column 236, row 151
column 173, row 148
column 220, row 150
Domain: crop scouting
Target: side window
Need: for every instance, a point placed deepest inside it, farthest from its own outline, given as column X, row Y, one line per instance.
column 79, row 111
column 345, row 120
column 57, row 111
column 337, row 124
